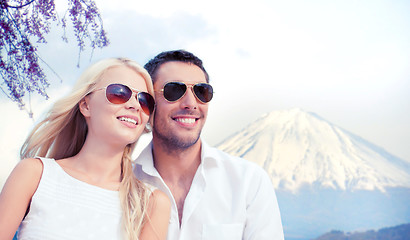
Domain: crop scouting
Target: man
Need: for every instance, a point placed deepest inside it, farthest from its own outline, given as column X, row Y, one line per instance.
column 213, row 195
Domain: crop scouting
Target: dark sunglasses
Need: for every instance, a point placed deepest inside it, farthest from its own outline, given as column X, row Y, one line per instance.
column 118, row 94
column 173, row 91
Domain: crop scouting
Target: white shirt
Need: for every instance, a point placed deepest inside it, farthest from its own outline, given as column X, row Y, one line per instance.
column 230, row 198
column 66, row 208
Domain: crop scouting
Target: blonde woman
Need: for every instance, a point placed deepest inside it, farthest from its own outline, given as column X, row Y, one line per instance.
column 75, row 180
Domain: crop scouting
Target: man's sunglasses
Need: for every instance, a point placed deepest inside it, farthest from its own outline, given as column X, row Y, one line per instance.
column 118, row 94
column 173, row 91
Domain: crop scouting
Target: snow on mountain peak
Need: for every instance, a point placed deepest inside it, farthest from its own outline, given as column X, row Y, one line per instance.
column 299, row 148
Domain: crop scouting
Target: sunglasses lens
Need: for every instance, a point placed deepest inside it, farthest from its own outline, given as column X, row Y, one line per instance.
column 146, row 102
column 174, row 91
column 204, row 92
column 118, row 93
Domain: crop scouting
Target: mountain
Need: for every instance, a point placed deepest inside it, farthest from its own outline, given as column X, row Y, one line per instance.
column 401, row 232
column 300, row 148
column 325, row 177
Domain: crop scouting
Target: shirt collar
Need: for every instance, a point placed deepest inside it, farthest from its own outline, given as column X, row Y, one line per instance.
column 209, row 156
column 146, row 161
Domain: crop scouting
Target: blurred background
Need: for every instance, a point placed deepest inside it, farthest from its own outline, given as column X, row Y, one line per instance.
column 340, row 65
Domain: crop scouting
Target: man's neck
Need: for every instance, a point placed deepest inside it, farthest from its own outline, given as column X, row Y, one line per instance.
column 172, row 164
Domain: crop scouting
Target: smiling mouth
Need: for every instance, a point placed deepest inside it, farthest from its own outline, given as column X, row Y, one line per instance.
column 130, row 120
column 186, row 120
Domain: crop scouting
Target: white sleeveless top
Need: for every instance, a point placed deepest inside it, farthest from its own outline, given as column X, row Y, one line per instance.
column 66, row 208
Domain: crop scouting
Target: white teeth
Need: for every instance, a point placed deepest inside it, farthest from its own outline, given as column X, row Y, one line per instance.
column 128, row 120
column 186, row 120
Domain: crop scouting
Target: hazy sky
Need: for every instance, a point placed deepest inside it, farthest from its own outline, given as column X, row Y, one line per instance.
column 348, row 61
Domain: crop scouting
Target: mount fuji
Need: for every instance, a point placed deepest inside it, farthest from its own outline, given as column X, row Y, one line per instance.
column 325, row 177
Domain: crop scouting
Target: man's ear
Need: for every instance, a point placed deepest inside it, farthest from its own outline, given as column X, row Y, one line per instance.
column 84, row 107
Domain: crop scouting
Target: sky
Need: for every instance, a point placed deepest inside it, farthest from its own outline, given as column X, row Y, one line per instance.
column 345, row 60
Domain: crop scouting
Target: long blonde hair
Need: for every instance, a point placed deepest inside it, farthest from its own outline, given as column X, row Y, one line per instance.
column 63, row 132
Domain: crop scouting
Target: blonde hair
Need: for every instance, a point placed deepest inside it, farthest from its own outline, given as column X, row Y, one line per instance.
column 63, row 132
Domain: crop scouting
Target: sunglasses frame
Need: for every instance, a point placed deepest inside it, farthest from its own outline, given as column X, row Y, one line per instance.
column 133, row 90
column 187, row 86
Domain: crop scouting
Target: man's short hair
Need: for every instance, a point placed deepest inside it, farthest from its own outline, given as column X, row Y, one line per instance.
column 173, row 56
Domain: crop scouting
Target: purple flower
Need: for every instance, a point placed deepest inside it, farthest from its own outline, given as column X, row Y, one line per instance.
column 23, row 22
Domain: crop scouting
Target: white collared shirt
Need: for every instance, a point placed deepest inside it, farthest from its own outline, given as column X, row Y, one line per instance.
column 230, row 198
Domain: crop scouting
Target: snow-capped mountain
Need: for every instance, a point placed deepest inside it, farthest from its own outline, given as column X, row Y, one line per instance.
column 299, row 148
column 325, row 177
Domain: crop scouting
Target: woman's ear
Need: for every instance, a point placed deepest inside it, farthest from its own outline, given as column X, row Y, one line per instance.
column 84, row 107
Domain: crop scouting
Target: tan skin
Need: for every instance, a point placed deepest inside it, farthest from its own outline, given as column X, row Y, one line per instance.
column 98, row 162
column 178, row 166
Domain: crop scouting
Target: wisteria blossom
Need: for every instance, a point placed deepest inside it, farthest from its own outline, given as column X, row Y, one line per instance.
column 23, row 25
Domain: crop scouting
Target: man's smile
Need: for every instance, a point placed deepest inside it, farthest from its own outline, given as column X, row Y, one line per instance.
column 186, row 120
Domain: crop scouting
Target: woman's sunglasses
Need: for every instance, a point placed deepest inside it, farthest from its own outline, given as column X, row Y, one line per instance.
column 173, row 91
column 118, row 94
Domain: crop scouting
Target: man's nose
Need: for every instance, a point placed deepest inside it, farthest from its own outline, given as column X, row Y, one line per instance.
column 189, row 100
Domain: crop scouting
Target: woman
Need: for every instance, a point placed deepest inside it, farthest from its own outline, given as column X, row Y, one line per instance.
column 75, row 180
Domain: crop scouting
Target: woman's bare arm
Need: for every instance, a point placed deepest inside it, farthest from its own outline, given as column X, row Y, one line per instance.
column 156, row 227
column 16, row 195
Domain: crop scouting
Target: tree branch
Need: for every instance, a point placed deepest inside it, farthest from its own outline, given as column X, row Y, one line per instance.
column 4, row 5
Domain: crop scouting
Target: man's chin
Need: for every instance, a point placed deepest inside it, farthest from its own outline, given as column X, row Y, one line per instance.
column 174, row 142
column 184, row 143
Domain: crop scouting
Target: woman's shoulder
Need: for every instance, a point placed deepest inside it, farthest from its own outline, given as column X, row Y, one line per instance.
column 159, row 199
column 24, row 178
column 31, row 166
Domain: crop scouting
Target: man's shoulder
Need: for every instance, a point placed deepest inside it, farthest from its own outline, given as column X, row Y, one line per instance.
column 231, row 161
column 239, row 172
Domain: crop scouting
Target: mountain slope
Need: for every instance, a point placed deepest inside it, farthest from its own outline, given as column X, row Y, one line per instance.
column 401, row 232
column 298, row 148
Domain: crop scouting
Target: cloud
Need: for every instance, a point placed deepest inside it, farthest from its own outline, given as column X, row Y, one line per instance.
column 141, row 37
column 13, row 127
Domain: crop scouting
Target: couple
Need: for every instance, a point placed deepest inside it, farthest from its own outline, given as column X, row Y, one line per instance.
column 178, row 188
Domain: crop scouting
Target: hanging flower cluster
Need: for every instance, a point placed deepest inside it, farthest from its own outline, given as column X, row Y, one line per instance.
column 24, row 23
